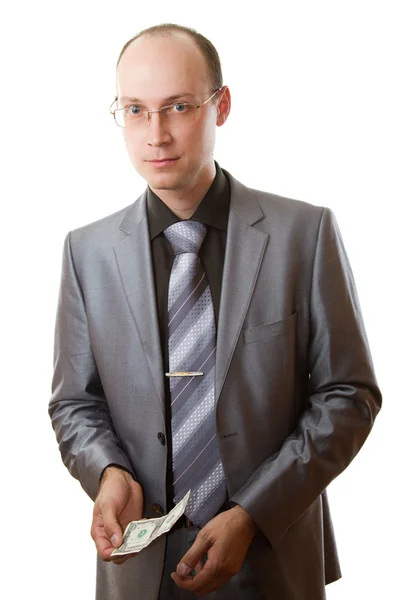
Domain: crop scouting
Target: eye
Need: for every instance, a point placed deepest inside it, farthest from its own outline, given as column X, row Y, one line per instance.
column 134, row 109
column 180, row 106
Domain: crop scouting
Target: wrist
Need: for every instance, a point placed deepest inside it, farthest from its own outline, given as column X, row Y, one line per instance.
column 112, row 471
column 247, row 519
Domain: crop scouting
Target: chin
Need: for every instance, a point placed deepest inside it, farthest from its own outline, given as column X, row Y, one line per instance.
column 162, row 185
column 163, row 177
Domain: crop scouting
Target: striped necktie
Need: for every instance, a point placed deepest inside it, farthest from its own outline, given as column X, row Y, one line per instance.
column 196, row 461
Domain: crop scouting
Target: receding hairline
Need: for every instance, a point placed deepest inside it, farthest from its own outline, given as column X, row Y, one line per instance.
column 160, row 33
column 206, row 77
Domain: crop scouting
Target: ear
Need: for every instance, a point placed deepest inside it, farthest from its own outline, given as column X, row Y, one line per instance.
column 224, row 106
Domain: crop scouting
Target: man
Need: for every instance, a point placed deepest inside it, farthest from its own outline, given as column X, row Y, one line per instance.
column 254, row 392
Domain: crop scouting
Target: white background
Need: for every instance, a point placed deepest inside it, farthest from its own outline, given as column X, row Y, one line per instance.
column 315, row 116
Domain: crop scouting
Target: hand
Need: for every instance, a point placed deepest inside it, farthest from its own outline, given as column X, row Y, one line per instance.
column 226, row 539
column 119, row 501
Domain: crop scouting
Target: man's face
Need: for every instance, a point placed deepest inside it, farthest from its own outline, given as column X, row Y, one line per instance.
column 151, row 70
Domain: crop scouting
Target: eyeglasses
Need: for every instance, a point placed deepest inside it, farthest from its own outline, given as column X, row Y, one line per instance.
column 178, row 113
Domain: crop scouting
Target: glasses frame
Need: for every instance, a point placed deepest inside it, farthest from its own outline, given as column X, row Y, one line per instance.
column 163, row 108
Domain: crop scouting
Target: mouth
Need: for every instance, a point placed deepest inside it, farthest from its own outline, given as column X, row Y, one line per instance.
column 163, row 162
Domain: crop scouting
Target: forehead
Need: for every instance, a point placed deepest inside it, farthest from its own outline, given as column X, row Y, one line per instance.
column 155, row 68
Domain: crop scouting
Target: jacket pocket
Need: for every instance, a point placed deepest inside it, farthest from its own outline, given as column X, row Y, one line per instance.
column 266, row 331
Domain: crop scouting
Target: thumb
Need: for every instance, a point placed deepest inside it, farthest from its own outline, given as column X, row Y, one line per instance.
column 111, row 527
column 193, row 556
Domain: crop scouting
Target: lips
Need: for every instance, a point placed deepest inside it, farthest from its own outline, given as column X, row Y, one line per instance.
column 163, row 159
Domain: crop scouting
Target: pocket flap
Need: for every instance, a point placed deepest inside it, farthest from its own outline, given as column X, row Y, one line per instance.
column 269, row 330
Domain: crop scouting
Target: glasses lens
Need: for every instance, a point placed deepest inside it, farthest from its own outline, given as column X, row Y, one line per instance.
column 132, row 116
column 179, row 114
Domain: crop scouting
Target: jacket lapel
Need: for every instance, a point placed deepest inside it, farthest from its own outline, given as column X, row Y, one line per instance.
column 245, row 247
column 134, row 260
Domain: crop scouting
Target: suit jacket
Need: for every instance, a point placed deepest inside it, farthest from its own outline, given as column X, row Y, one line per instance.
column 296, row 393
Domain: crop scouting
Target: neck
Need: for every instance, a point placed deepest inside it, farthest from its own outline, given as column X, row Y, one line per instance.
column 183, row 202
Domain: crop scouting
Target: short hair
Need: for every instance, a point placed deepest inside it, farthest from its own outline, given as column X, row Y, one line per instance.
column 205, row 46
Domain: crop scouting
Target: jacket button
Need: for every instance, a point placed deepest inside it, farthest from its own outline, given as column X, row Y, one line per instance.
column 157, row 509
column 161, row 437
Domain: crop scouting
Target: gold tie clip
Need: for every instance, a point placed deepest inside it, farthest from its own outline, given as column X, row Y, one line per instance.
column 184, row 373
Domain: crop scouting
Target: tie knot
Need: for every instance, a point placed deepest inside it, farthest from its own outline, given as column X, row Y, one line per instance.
column 186, row 236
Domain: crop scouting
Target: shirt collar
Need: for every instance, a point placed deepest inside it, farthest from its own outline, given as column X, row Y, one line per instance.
column 213, row 209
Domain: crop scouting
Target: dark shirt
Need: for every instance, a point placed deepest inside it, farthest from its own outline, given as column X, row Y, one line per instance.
column 213, row 211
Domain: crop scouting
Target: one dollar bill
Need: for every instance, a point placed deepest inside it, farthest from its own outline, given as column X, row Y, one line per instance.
column 139, row 534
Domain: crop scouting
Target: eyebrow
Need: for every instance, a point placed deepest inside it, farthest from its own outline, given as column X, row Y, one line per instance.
column 169, row 99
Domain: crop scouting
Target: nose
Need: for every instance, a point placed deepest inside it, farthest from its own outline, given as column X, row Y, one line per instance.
column 157, row 130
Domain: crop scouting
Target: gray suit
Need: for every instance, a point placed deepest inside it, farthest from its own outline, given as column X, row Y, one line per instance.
column 296, row 394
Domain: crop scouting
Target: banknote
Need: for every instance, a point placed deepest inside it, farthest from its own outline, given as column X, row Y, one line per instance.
column 139, row 534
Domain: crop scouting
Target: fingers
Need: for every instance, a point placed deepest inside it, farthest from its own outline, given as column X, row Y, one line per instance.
column 206, row 574
column 121, row 559
column 198, row 567
column 191, row 559
column 211, row 577
column 112, row 528
column 226, row 547
column 105, row 548
column 100, row 536
column 100, row 539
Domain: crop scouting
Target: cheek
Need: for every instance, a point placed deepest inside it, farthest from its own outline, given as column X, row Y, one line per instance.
column 132, row 147
column 128, row 142
column 201, row 138
column 206, row 142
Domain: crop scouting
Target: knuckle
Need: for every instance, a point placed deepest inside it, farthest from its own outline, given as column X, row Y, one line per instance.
column 104, row 558
column 215, row 566
column 189, row 558
column 218, row 571
column 204, row 535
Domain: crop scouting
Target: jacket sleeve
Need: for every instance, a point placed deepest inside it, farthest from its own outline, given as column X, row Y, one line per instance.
column 343, row 398
column 78, row 407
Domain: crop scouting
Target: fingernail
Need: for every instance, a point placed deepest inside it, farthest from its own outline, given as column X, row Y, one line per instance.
column 183, row 569
column 114, row 540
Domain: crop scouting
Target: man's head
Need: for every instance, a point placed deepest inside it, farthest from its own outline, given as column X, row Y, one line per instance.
column 158, row 63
